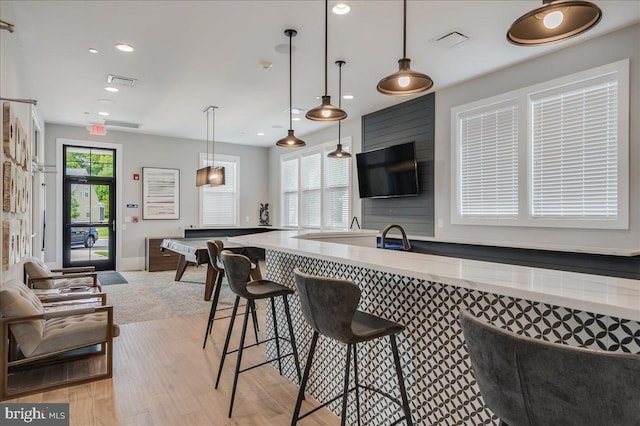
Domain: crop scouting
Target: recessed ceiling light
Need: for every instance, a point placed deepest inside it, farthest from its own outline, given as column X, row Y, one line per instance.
column 103, row 113
column 296, row 119
column 111, row 89
column 347, row 97
column 124, row 47
column 341, row 9
column 260, row 133
column 93, row 50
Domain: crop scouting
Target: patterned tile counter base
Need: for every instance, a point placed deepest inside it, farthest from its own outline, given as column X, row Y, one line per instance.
column 440, row 383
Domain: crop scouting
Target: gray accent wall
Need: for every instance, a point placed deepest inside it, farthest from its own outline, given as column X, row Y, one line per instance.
column 409, row 121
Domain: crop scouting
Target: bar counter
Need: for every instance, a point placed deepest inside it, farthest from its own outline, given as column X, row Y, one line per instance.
column 426, row 293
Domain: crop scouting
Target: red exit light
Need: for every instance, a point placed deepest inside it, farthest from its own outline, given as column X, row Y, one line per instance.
column 98, row 130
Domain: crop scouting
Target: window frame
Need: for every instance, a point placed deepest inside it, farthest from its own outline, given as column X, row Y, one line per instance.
column 322, row 149
column 524, row 96
column 204, row 160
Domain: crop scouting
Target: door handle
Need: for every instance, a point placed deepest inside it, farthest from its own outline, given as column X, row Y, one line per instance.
column 113, row 226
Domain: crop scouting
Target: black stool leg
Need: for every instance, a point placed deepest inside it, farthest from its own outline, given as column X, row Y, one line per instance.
column 403, row 392
column 214, row 306
column 355, row 373
column 292, row 338
column 255, row 320
column 239, row 360
column 305, row 378
column 275, row 328
column 226, row 342
column 346, row 386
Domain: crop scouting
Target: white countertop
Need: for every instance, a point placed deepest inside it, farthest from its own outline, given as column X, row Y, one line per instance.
column 618, row 297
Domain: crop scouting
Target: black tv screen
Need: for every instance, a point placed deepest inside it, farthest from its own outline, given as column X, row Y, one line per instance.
column 388, row 172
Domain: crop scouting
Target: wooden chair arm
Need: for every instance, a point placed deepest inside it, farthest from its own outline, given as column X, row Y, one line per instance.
column 75, row 269
column 78, row 296
column 93, row 275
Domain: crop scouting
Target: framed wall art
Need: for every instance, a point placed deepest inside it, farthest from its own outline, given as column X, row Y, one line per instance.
column 160, row 193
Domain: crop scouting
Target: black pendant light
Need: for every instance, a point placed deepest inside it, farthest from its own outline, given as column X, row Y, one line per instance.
column 210, row 175
column 555, row 20
column 290, row 140
column 326, row 111
column 339, row 153
column 202, row 174
column 406, row 81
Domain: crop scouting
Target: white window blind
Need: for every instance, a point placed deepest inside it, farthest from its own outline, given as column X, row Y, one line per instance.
column 488, row 161
column 315, row 189
column 219, row 205
column 311, row 175
column 289, row 178
column 337, row 172
column 575, row 150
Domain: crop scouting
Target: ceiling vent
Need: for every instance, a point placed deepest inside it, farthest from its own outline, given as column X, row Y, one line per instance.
column 450, row 39
column 123, row 81
column 121, row 124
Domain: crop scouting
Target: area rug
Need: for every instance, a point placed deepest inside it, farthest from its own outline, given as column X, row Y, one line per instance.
column 155, row 295
column 110, row 278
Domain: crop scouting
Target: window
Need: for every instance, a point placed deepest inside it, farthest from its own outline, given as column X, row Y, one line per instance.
column 552, row 155
column 315, row 189
column 219, row 205
column 489, row 161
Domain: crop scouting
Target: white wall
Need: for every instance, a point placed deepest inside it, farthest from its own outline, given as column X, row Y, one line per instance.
column 600, row 51
column 12, row 86
column 350, row 127
column 141, row 150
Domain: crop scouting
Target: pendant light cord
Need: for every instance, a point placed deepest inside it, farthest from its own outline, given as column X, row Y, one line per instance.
column 404, row 31
column 340, row 100
column 207, row 159
column 326, row 42
column 290, row 84
column 213, row 133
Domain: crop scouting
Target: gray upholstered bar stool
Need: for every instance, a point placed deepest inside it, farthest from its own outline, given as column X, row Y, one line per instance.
column 214, row 248
column 330, row 305
column 237, row 269
column 528, row 382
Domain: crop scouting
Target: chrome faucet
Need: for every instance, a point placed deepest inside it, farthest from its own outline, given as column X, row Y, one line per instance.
column 406, row 245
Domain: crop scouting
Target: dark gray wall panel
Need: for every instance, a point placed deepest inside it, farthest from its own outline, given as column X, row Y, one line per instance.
column 409, row 121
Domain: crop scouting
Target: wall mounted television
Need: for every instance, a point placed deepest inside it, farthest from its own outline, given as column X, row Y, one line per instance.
column 388, row 172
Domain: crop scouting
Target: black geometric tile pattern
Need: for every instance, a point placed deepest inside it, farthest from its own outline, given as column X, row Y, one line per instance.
column 440, row 384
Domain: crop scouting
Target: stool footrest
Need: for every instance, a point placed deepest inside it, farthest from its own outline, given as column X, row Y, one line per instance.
column 266, row 362
column 324, row 405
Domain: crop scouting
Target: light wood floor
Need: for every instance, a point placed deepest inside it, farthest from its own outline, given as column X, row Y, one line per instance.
column 163, row 377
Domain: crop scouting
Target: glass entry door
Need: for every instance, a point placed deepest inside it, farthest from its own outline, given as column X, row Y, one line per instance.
column 89, row 207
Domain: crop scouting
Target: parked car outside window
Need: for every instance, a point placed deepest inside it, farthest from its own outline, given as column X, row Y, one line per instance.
column 86, row 236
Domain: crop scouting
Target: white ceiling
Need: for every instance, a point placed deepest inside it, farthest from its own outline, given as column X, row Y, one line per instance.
column 191, row 54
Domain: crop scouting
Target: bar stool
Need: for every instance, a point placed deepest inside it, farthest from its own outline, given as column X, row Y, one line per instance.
column 527, row 381
column 330, row 307
column 237, row 268
column 214, row 248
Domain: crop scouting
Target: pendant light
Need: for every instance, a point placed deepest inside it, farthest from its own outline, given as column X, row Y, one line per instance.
column 210, row 175
column 216, row 174
column 555, row 20
column 290, row 140
column 339, row 153
column 326, row 111
column 406, row 81
column 202, row 174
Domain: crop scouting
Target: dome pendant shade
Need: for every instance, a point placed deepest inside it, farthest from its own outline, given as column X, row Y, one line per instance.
column 339, row 153
column 326, row 111
column 405, row 82
column 291, row 141
column 572, row 18
column 216, row 176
